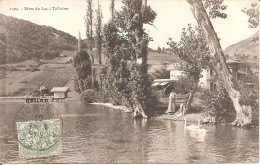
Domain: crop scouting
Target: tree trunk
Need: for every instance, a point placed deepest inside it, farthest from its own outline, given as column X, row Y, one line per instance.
column 141, row 53
column 93, row 74
column 189, row 101
column 139, row 112
column 236, row 91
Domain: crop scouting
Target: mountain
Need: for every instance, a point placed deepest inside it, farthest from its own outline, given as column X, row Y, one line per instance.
column 246, row 51
column 21, row 40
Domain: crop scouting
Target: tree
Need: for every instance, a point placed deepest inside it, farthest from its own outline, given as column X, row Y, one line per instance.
column 139, row 14
column 126, row 53
column 235, row 90
column 98, row 38
column 215, row 8
column 161, row 73
column 82, row 64
column 159, row 49
column 253, row 14
column 89, row 33
column 112, row 9
column 193, row 52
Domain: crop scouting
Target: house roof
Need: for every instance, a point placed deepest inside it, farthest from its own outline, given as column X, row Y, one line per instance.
column 60, row 89
column 229, row 61
column 241, row 72
column 163, row 80
column 174, row 66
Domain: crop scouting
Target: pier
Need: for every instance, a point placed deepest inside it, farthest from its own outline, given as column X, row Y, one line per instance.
column 31, row 99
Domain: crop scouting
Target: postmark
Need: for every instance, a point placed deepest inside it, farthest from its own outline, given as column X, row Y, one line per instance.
column 36, row 112
column 38, row 129
column 39, row 138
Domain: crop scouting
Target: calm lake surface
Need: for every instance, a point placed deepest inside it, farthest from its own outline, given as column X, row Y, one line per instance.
column 97, row 134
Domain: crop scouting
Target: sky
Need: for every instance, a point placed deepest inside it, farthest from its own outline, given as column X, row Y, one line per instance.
column 172, row 16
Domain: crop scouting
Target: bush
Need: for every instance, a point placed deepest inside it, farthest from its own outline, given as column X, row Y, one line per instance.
column 11, row 68
column 24, row 82
column 20, row 66
column 91, row 95
column 218, row 102
column 34, row 69
column 81, row 85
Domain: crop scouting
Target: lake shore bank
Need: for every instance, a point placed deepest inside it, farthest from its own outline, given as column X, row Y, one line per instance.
column 193, row 117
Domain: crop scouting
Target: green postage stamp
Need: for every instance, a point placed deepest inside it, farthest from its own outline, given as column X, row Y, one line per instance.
column 39, row 138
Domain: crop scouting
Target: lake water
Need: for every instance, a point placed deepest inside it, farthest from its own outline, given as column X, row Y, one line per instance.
column 96, row 134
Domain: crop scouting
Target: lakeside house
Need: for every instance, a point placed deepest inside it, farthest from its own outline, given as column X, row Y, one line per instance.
column 208, row 80
column 60, row 92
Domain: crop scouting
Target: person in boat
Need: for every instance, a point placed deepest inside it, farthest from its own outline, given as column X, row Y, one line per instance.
column 172, row 102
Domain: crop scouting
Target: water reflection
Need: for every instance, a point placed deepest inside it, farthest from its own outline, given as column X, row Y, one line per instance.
column 96, row 134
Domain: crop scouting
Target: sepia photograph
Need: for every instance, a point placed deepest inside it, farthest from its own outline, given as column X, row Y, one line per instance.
column 129, row 81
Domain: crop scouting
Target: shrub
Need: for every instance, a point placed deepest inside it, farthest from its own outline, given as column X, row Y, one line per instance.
column 81, row 85
column 12, row 68
column 34, row 69
column 161, row 73
column 218, row 101
column 24, row 82
column 91, row 95
column 20, row 66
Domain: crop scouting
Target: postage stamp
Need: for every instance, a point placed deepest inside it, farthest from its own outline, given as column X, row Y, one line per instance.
column 39, row 138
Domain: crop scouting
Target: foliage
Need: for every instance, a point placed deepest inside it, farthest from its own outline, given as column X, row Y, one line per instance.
column 49, row 54
column 83, row 69
column 98, row 40
column 253, row 14
column 161, row 73
column 91, row 95
column 27, row 40
column 90, row 39
column 218, row 101
column 98, row 32
column 215, row 8
column 193, row 52
column 235, row 90
column 44, row 91
column 125, row 43
column 89, row 22
column 112, row 9
column 34, row 69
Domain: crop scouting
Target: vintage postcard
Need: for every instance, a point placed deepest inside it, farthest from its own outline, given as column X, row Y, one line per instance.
column 129, row 81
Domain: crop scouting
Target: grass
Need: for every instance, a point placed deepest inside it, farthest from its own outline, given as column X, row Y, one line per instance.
column 34, row 74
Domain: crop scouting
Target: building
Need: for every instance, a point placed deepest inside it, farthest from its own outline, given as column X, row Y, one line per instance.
column 209, row 77
column 60, row 92
column 175, row 73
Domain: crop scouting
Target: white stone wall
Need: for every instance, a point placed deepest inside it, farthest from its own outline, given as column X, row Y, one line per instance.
column 203, row 80
column 175, row 74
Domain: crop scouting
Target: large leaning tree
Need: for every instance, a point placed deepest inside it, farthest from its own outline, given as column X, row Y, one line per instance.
column 236, row 91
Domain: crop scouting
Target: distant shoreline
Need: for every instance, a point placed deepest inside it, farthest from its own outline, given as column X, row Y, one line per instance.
column 21, row 99
column 12, row 99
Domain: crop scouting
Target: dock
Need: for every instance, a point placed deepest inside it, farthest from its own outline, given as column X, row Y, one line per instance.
column 30, row 99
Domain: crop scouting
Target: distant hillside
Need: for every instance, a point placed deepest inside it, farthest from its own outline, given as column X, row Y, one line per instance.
column 21, row 40
column 156, row 60
column 246, row 50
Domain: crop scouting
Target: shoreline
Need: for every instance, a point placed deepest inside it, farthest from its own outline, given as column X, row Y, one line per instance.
column 192, row 117
column 109, row 105
column 189, row 117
